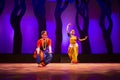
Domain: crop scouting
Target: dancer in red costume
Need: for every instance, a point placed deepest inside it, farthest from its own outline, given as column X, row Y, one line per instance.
column 43, row 53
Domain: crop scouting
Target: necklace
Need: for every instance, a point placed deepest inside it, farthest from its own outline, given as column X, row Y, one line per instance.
column 44, row 44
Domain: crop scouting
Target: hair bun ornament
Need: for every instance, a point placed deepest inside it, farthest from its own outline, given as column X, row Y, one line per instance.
column 43, row 32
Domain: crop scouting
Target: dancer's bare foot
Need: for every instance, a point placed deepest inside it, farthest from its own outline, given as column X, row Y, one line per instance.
column 39, row 65
column 43, row 64
column 74, row 62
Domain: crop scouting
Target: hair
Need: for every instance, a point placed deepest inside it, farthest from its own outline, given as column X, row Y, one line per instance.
column 72, row 30
column 43, row 32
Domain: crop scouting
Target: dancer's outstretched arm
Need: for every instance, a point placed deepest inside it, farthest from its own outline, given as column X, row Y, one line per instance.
column 83, row 38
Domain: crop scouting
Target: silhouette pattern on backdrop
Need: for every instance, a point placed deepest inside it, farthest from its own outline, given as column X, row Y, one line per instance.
column 58, row 12
column 106, row 12
column 15, row 19
column 82, row 10
column 39, row 11
column 2, row 4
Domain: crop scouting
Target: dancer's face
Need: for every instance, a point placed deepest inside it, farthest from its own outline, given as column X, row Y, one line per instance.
column 44, row 35
column 72, row 32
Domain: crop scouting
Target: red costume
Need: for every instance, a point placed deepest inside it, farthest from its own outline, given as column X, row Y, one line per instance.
column 43, row 44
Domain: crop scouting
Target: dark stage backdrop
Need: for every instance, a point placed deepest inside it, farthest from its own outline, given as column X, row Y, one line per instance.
column 29, row 24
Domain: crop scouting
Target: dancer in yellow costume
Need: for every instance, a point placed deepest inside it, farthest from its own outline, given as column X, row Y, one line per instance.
column 73, row 47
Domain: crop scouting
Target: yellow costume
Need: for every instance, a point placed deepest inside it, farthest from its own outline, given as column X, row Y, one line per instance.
column 73, row 49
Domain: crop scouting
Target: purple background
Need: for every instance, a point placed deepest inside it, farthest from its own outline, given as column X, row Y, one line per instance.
column 29, row 27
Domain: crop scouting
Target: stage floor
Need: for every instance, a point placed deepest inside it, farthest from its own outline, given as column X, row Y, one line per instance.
column 60, row 71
